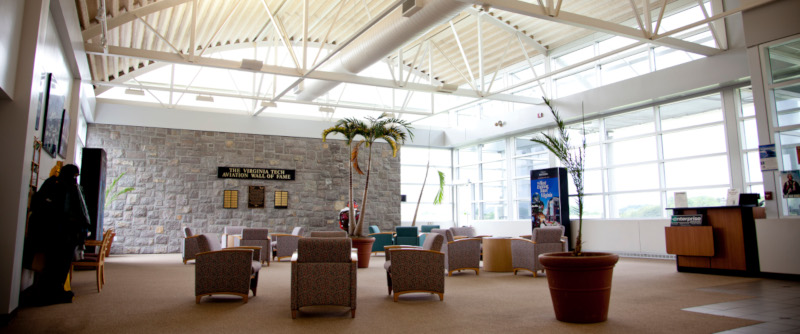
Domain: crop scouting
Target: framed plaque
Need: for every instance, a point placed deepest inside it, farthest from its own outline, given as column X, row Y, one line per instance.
column 230, row 199
column 255, row 199
column 281, row 199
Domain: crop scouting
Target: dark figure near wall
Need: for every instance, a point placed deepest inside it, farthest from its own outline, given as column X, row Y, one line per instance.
column 57, row 227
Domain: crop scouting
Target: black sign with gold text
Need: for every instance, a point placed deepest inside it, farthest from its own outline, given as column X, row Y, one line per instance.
column 255, row 173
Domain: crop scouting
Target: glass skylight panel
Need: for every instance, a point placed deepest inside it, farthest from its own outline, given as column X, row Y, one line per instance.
column 613, row 43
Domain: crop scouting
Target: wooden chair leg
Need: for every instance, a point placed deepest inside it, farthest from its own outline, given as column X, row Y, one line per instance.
column 353, row 313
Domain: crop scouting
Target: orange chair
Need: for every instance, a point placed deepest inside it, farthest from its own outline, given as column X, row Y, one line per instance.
column 95, row 261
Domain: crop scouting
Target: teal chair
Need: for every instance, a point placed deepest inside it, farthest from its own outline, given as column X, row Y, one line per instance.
column 406, row 235
column 381, row 238
column 425, row 229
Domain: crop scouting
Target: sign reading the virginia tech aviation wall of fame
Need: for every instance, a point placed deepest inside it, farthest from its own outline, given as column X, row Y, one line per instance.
column 255, row 173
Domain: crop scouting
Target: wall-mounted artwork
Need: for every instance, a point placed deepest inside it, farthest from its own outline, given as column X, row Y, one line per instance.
column 44, row 87
column 230, row 199
column 63, row 140
column 256, row 197
column 51, row 131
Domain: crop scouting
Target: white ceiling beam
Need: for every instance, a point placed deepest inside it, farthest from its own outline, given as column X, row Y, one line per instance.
column 96, row 29
column 224, row 22
column 463, row 55
column 165, row 58
column 499, row 24
column 590, row 23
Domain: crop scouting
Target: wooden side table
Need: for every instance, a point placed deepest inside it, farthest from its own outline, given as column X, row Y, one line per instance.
column 497, row 254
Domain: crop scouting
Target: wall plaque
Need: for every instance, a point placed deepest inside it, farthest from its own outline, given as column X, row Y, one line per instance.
column 230, row 199
column 255, row 173
column 281, row 199
column 255, row 199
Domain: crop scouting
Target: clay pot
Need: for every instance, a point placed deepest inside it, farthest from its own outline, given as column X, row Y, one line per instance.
column 580, row 286
column 364, row 247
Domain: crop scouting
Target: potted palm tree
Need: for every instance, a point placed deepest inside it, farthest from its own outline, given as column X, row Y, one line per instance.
column 580, row 282
column 389, row 129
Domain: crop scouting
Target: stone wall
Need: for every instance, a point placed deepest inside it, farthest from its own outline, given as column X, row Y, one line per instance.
column 174, row 173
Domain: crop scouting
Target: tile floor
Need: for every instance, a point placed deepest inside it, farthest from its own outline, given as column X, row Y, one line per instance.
column 775, row 302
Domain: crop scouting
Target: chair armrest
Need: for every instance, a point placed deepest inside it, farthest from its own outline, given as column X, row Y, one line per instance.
column 224, row 250
column 93, row 243
column 390, row 233
column 285, row 235
column 192, row 236
column 527, row 236
column 483, row 236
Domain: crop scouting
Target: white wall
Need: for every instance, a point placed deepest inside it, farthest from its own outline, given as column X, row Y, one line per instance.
column 10, row 25
column 778, row 245
column 39, row 51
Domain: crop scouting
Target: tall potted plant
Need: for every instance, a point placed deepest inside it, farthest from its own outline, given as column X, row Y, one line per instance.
column 580, row 282
column 349, row 128
column 393, row 131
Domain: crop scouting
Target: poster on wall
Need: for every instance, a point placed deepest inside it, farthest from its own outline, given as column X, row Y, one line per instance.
column 768, row 157
column 549, row 198
column 54, row 110
column 44, row 88
column 791, row 187
column 63, row 139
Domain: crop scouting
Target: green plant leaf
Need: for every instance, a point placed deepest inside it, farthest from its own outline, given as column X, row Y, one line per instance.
column 439, row 194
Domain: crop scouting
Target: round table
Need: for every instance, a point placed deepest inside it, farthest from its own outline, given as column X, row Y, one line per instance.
column 497, row 254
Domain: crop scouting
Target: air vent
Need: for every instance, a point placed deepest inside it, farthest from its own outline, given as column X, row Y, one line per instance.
column 410, row 7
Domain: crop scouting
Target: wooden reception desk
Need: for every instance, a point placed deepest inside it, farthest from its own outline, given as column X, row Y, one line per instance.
column 724, row 244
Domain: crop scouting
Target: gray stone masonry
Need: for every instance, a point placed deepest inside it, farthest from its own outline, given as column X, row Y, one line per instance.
column 174, row 175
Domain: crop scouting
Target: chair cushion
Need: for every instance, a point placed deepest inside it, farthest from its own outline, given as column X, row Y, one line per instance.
column 324, row 250
column 255, row 234
column 209, row 242
column 256, row 265
column 548, row 234
column 433, row 241
column 387, row 265
column 234, row 229
column 187, row 232
column 374, row 229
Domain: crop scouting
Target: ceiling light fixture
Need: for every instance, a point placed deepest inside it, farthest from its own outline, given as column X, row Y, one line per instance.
column 447, row 88
column 251, row 64
column 134, row 91
column 205, row 98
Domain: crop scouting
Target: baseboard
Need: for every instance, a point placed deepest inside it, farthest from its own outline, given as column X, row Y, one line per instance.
column 646, row 255
column 5, row 319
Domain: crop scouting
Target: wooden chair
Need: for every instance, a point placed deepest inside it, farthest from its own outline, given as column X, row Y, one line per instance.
column 95, row 261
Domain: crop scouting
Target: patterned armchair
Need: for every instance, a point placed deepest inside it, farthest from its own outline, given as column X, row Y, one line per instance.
column 284, row 245
column 406, row 235
column 425, row 229
column 564, row 238
column 258, row 237
column 414, row 269
column 232, row 235
column 525, row 253
column 328, row 234
column 189, row 247
column 381, row 238
column 460, row 254
column 324, row 273
column 466, row 232
column 232, row 270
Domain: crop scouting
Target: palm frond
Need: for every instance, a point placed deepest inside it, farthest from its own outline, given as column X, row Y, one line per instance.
column 439, row 194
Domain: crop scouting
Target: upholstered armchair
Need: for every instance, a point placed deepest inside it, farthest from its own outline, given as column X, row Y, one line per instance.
column 381, row 238
column 460, row 254
column 425, row 229
column 324, row 273
column 284, row 245
column 328, row 234
column 466, row 232
column 231, row 271
column 257, row 236
column 232, row 236
column 189, row 246
column 525, row 253
column 414, row 269
column 406, row 235
column 564, row 238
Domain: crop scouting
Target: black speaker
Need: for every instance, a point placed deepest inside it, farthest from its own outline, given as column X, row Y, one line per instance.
column 749, row 199
column 93, row 182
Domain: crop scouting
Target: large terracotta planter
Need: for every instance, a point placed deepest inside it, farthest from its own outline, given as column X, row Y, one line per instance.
column 364, row 247
column 580, row 286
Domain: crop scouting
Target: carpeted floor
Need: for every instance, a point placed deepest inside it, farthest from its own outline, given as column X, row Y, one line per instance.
column 155, row 293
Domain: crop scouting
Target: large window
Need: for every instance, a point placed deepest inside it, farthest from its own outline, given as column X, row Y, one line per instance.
column 635, row 161
column 482, row 181
column 414, row 163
